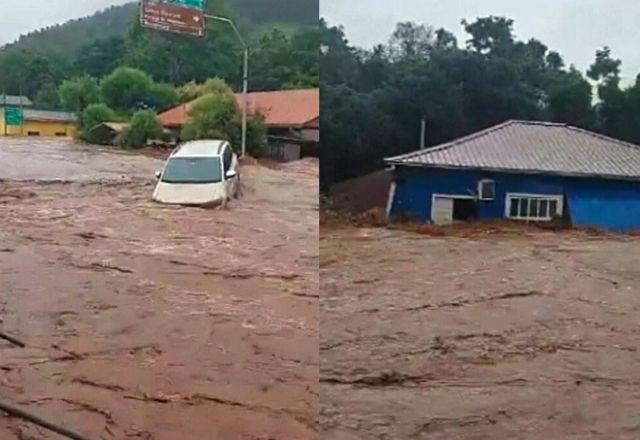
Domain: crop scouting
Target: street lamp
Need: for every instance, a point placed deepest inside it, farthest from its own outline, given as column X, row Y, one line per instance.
column 245, row 79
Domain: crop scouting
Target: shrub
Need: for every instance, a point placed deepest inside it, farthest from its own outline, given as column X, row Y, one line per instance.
column 92, row 116
column 144, row 126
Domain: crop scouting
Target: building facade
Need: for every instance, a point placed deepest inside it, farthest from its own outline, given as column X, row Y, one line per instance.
column 523, row 171
column 41, row 123
column 292, row 118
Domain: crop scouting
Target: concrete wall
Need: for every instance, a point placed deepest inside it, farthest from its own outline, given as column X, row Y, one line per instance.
column 590, row 202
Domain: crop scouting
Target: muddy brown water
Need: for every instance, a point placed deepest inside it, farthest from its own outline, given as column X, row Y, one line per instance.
column 152, row 322
column 519, row 336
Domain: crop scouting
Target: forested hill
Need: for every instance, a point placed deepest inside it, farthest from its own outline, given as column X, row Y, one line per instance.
column 67, row 38
column 283, row 36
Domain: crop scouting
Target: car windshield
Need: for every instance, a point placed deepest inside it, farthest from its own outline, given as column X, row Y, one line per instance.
column 193, row 170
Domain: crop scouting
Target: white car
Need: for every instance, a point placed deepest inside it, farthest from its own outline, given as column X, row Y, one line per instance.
column 199, row 173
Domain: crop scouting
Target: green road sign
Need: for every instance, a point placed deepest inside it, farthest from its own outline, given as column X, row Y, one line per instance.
column 196, row 4
column 13, row 115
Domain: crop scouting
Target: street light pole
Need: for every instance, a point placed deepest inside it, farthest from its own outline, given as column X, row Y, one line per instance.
column 245, row 78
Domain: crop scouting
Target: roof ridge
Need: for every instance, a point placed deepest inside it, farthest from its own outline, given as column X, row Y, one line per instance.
column 453, row 143
column 546, row 123
column 604, row 137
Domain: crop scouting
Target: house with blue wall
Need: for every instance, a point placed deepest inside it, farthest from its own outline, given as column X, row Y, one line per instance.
column 524, row 171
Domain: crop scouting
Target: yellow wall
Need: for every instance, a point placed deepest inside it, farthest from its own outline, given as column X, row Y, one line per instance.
column 44, row 128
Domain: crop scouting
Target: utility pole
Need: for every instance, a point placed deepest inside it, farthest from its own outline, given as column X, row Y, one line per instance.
column 423, row 133
column 4, row 111
column 245, row 78
column 21, row 113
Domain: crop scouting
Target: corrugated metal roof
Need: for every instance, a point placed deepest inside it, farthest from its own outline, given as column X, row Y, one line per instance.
column 15, row 100
column 538, row 147
column 47, row 115
column 118, row 127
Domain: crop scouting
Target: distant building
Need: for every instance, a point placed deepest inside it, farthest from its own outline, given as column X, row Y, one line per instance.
column 524, row 171
column 41, row 123
column 15, row 101
column 292, row 118
column 108, row 133
column 36, row 122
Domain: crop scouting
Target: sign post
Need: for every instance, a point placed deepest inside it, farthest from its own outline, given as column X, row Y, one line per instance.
column 187, row 17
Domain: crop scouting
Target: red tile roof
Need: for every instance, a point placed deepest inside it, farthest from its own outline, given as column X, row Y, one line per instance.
column 283, row 108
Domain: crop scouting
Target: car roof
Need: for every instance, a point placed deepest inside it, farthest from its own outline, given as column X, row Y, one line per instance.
column 204, row 148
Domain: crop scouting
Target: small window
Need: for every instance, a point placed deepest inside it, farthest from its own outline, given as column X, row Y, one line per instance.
column 533, row 207
column 61, row 134
column 33, row 133
column 486, row 189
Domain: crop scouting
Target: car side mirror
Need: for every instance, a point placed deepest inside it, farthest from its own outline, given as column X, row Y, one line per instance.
column 158, row 174
column 231, row 174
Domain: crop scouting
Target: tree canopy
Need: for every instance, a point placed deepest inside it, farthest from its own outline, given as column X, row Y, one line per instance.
column 215, row 115
column 283, row 53
column 373, row 100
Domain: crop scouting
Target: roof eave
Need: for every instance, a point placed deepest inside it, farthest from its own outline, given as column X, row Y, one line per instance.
column 513, row 171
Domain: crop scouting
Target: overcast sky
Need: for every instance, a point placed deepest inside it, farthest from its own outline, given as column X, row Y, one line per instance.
column 575, row 28
column 23, row 16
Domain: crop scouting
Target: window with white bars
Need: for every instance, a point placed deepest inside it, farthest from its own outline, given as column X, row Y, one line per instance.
column 533, row 207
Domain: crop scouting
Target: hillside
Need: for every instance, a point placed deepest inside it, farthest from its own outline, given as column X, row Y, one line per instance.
column 253, row 15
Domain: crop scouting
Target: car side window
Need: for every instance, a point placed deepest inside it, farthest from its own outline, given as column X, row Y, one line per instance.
column 228, row 156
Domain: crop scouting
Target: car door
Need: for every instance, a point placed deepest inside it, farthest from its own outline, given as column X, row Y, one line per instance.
column 235, row 166
column 227, row 160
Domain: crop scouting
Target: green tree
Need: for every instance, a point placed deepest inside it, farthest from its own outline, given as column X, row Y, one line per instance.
column 490, row 35
column 177, row 59
column 47, row 98
column 213, row 116
column 76, row 94
column 193, row 90
column 605, row 67
column 164, row 96
column 570, row 100
column 372, row 101
column 217, row 116
column 144, row 126
column 99, row 57
column 612, row 108
column 127, row 89
column 91, row 117
column 410, row 41
column 282, row 61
